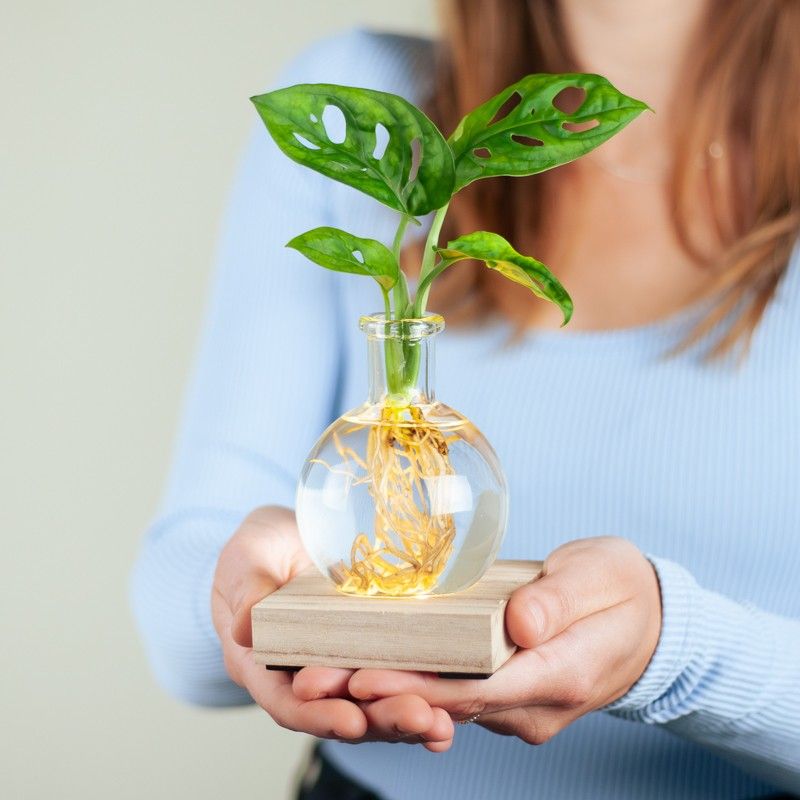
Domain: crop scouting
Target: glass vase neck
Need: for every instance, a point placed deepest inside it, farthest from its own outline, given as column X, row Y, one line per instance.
column 401, row 358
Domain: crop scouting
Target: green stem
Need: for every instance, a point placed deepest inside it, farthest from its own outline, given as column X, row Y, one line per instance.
column 402, row 358
column 393, row 349
column 402, row 367
column 400, row 291
column 393, row 355
column 429, row 261
column 425, row 285
column 398, row 237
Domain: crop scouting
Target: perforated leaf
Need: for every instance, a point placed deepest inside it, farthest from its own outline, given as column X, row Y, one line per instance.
column 499, row 255
column 412, row 172
column 341, row 251
column 531, row 136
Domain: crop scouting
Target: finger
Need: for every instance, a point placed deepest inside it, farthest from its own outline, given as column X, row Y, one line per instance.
column 438, row 747
column 409, row 720
column 398, row 717
column 442, row 730
column 462, row 698
column 534, row 726
column 314, row 683
column 580, row 578
column 328, row 718
column 440, row 736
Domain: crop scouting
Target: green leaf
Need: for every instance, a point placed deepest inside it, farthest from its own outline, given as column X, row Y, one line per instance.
column 341, row 251
column 531, row 136
column 294, row 118
column 499, row 255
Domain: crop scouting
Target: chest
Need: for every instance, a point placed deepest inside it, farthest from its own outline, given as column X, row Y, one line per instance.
column 614, row 244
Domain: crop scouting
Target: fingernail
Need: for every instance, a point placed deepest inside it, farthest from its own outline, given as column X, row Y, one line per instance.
column 355, row 691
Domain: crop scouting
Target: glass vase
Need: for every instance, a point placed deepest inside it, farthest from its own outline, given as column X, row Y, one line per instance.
column 403, row 495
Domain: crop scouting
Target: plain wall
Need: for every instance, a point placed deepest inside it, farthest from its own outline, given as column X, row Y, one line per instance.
column 121, row 123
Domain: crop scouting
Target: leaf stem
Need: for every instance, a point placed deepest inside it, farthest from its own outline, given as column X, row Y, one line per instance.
column 398, row 237
column 402, row 358
column 387, row 306
column 428, row 261
column 425, row 284
column 400, row 291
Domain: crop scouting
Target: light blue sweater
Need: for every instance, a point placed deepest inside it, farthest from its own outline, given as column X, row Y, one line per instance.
column 698, row 464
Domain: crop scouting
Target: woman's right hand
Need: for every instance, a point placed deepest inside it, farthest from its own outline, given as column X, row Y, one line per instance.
column 263, row 554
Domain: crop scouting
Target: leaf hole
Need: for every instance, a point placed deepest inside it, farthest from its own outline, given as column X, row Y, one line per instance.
column 569, row 99
column 303, row 141
column 528, row 141
column 513, row 100
column 580, row 127
column 313, row 117
column 482, row 152
column 335, row 124
column 416, row 158
column 381, row 141
column 358, row 256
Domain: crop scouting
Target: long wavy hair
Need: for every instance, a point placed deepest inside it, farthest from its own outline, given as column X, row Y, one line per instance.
column 741, row 97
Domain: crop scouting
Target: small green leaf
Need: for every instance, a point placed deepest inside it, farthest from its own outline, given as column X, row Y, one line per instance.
column 341, row 251
column 531, row 136
column 412, row 172
column 499, row 255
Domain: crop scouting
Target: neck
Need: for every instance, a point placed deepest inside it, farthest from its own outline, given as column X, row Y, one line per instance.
column 639, row 45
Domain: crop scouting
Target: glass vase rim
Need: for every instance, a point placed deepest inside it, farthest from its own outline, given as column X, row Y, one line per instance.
column 376, row 326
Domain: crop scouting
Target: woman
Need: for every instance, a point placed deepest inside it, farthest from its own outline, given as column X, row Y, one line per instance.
column 664, row 421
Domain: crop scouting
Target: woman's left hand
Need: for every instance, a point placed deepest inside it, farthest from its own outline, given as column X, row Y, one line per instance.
column 586, row 631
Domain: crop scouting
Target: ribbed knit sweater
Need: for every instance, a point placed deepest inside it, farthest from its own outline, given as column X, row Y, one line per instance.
column 599, row 433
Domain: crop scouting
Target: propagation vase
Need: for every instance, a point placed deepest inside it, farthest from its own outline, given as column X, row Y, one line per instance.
column 402, row 495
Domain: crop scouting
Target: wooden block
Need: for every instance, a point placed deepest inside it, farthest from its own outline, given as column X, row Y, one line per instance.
column 307, row 622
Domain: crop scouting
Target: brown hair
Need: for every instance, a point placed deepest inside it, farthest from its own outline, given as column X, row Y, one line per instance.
column 742, row 94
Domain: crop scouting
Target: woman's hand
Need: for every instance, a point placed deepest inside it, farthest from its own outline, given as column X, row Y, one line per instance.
column 260, row 557
column 587, row 630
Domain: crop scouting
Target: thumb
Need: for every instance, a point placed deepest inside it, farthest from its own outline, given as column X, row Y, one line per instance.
column 540, row 610
column 241, row 625
column 263, row 555
column 579, row 579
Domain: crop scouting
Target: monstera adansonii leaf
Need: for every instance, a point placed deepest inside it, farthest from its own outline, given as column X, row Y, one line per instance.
column 381, row 144
column 499, row 255
column 343, row 252
column 534, row 135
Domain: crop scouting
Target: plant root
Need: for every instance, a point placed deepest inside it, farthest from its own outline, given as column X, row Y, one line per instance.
column 412, row 544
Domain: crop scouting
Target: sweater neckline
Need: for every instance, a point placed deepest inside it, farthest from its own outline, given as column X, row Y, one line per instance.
column 658, row 337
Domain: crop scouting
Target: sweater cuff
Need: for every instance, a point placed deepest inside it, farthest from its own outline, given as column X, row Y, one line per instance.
column 679, row 597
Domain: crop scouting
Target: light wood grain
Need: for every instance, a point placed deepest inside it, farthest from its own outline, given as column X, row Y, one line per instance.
column 307, row 622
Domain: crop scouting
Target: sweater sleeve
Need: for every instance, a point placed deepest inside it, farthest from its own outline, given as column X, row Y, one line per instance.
column 726, row 676
column 268, row 376
column 265, row 384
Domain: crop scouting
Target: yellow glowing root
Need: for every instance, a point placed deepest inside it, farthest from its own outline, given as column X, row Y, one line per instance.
column 411, row 544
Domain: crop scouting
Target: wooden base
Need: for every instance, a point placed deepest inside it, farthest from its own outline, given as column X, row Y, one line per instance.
column 307, row 622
